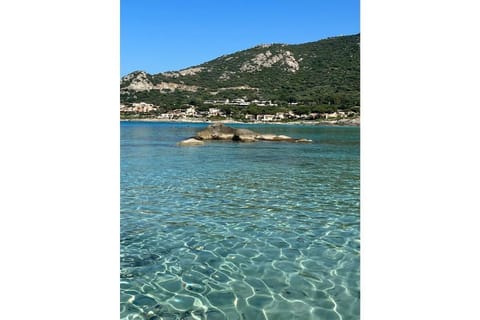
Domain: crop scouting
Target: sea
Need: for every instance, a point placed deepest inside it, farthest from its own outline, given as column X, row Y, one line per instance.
column 231, row 230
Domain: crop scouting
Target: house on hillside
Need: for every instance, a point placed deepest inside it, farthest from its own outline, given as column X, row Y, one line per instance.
column 249, row 117
column 265, row 117
column 138, row 107
column 240, row 102
column 279, row 116
column 191, row 111
column 166, row 116
column 214, row 112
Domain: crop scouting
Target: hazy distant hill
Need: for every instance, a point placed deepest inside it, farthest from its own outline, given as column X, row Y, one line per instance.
column 321, row 74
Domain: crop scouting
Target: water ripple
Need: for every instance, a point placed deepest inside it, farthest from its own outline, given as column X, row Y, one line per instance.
column 239, row 231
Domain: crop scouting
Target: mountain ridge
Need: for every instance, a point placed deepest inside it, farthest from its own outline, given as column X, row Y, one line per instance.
column 318, row 73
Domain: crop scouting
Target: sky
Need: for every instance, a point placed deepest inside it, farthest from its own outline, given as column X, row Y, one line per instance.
column 158, row 36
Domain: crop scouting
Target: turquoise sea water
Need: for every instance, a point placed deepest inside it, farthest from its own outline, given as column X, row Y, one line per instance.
column 265, row 230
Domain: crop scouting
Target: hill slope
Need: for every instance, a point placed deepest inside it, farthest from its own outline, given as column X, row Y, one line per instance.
column 322, row 73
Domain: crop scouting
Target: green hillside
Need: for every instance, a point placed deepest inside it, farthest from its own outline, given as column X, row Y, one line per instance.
column 316, row 76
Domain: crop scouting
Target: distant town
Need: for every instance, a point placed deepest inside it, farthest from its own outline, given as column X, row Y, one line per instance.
column 217, row 110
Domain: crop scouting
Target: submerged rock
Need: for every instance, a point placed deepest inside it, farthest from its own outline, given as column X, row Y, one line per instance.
column 272, row 137
column 303, row 140
column 191, row 142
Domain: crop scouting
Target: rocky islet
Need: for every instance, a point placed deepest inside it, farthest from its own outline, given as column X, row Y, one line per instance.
column 219, row 131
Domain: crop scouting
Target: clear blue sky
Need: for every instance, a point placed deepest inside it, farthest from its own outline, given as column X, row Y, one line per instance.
column 158, row 36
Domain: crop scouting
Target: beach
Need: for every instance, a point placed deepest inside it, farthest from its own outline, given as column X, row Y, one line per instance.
column 340, row 122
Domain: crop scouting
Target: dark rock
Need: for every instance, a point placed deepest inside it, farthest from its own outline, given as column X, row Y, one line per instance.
column 216, row 131
column 244, row 135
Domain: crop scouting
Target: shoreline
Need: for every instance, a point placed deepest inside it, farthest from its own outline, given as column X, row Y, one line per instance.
column 355, row 122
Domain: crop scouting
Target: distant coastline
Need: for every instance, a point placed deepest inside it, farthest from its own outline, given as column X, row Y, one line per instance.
column 355, row 122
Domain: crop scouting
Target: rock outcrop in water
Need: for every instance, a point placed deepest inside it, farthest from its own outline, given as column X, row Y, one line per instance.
column 191, row 142
column 218, row 131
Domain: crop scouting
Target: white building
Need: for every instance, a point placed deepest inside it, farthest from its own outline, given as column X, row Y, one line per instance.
column 190, row 112
column 213, row 112
column 249, row 117
column 265, row 117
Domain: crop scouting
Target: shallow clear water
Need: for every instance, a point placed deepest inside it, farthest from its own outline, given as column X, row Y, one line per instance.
column 265, row 230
